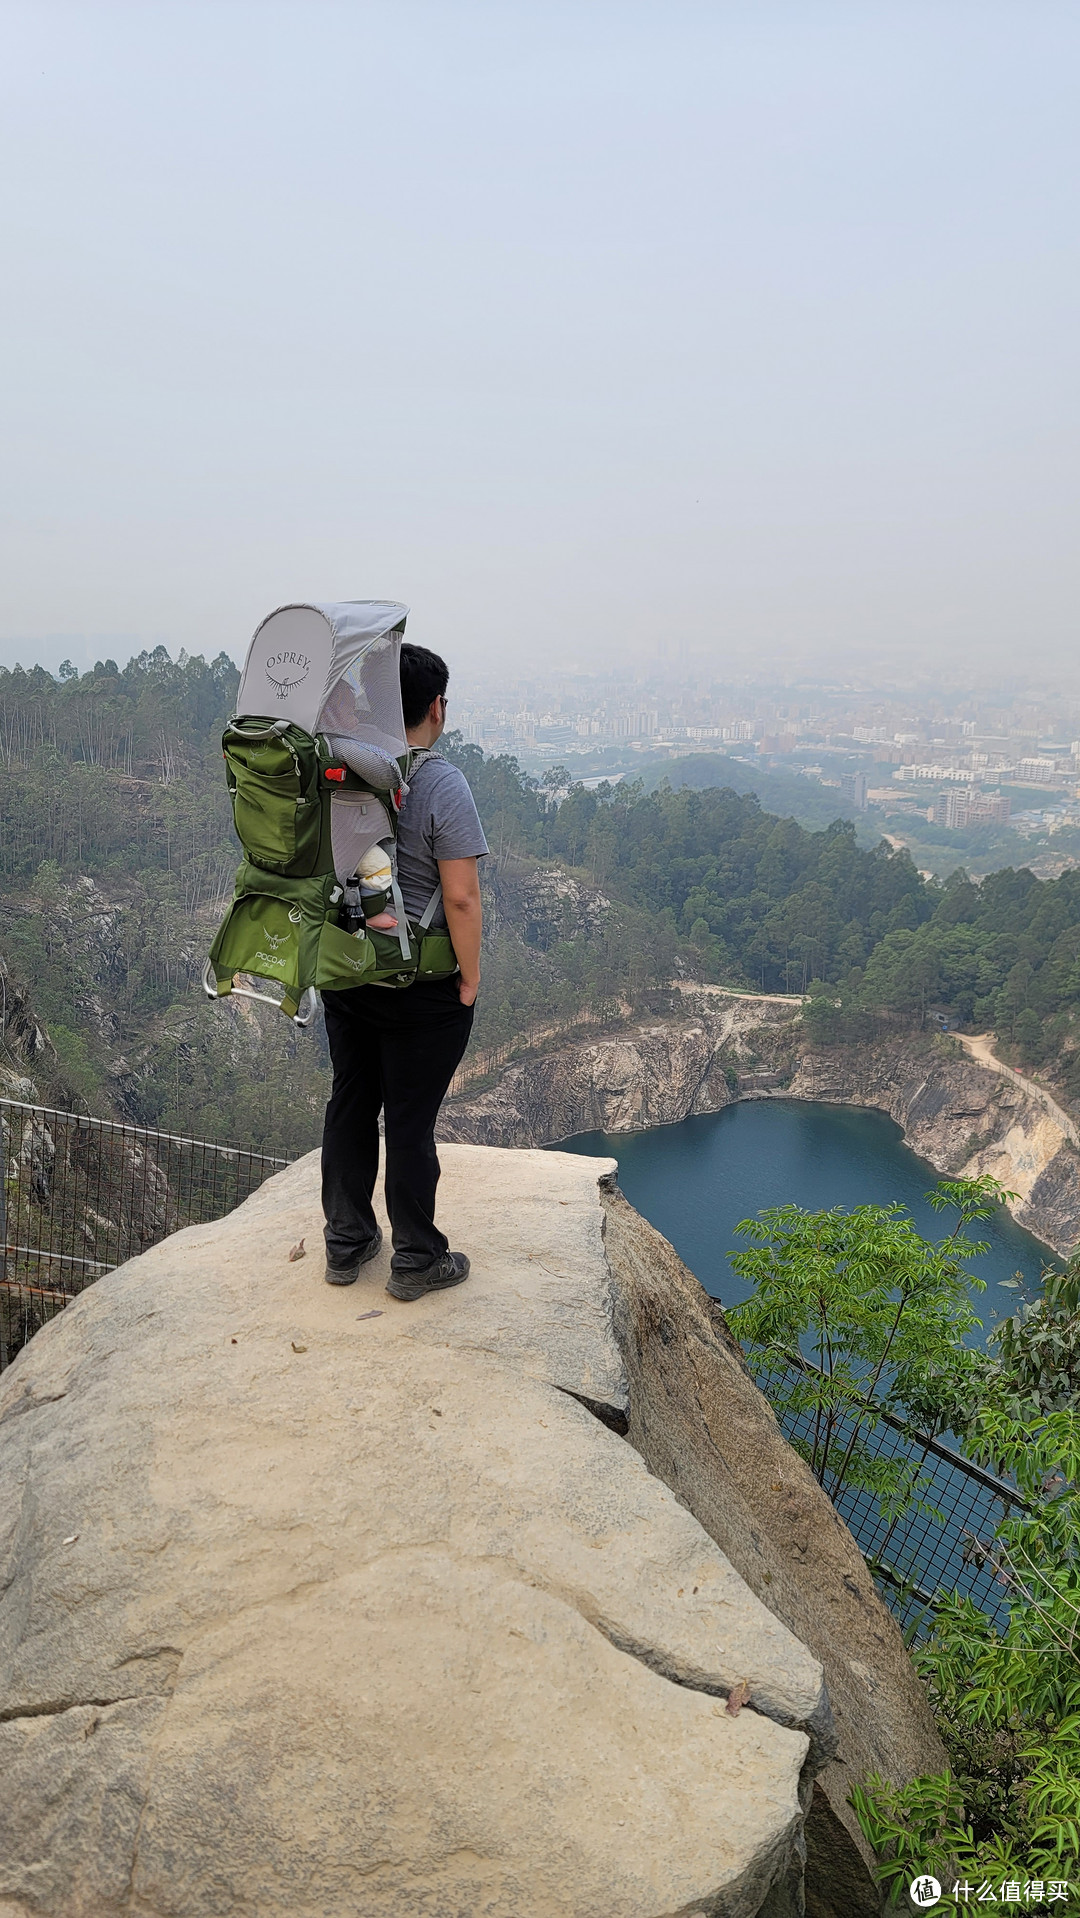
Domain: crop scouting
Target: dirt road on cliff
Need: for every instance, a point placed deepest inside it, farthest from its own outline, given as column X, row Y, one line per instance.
column 979, row 1047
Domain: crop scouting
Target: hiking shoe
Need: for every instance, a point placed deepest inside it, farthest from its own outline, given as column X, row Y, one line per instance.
column 348, row 1274
column 449, row 1270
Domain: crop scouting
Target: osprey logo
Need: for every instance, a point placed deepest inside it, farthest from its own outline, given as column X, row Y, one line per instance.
column 286, row 671
column 275, row 939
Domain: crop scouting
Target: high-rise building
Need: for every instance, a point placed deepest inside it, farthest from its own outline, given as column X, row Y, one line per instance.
column 959, row 810
column 854, row 786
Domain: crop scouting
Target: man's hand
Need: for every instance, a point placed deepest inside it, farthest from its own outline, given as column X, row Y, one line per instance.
column 467, row 991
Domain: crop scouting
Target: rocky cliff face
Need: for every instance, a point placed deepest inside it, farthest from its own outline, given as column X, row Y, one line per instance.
column 314, row 1604
column 25, row 1042
column 647, row 1074
column 964, row 1118
column 713, row 1048
column 512, row 1602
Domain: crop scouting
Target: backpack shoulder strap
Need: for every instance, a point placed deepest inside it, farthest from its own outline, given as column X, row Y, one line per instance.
column 402, row 919
column 415, row 759
column 412, row 763
column 428, row 914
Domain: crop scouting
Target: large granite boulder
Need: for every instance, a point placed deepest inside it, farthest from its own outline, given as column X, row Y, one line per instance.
column 316, row 1605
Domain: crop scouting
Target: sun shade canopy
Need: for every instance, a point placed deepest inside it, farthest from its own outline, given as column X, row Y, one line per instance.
column 331, row 668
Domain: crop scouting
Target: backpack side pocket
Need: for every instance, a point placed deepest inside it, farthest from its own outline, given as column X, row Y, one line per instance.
column 273, row 784
column 344, row 960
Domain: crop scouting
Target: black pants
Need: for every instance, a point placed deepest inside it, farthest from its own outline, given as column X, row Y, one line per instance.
column 394, row 1051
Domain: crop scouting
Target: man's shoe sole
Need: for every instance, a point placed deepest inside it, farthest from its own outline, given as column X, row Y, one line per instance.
column 409, row 1286
column 348, row 1274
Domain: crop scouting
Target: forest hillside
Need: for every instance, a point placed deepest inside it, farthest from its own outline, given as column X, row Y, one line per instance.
column 117, row 858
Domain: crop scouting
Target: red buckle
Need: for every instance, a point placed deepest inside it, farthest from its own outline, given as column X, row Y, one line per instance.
column 337, row 773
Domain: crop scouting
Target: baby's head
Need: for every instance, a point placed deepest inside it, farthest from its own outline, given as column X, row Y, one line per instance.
column 374, row 866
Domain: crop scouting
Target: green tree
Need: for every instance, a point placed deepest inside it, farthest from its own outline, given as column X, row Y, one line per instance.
column 1037, row 1358
column 1029, row 1034
column 1007, row 1701
column 880, row 1314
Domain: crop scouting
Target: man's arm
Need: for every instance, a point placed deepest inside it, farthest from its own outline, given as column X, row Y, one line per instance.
column 464, row 920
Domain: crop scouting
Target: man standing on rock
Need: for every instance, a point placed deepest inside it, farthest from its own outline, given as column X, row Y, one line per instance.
column 396, row 1050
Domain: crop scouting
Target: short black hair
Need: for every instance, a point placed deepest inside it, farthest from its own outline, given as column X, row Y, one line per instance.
column 424, row 677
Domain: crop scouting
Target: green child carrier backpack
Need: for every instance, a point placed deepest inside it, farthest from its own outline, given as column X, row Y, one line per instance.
column 317, row 765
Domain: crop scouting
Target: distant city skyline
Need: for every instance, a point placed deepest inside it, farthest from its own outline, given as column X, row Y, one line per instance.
column 746, row 330
column 901, row 681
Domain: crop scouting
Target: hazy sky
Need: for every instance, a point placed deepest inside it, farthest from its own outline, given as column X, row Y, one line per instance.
column 574, row 325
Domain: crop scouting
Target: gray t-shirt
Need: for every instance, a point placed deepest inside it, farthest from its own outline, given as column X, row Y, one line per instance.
column 438, row 820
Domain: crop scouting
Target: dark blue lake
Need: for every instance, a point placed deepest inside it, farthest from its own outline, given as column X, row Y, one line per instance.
column 695, row 1180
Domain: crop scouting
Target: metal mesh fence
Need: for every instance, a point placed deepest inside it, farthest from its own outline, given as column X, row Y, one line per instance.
column 942, row 1543
column 79, row 1195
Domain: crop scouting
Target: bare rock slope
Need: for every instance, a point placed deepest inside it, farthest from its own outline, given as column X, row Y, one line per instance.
column 315, row 1605
column 646, row 1073
column 965, row 1118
